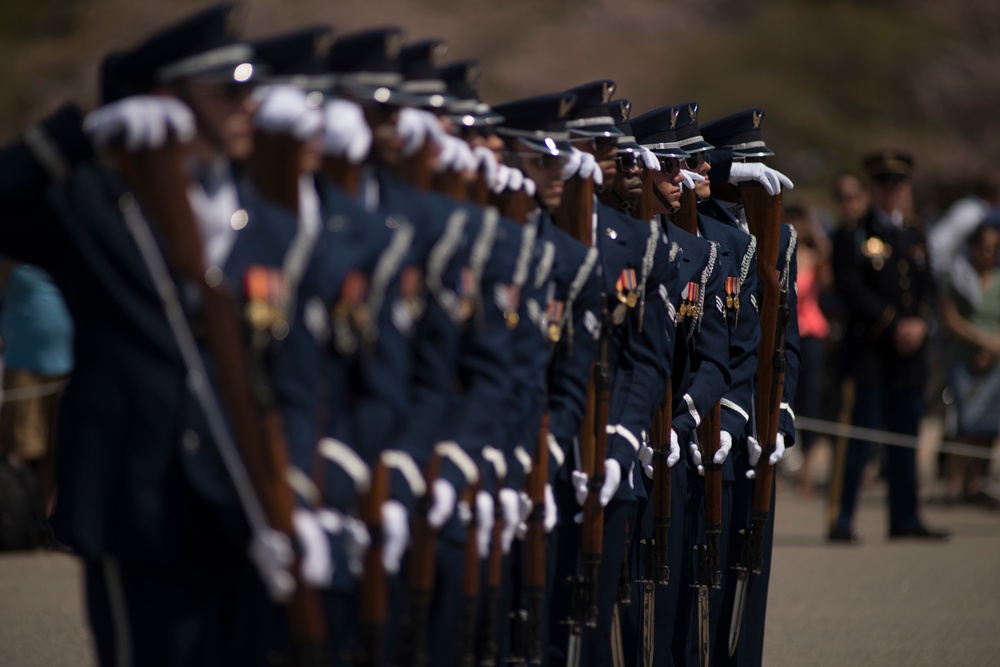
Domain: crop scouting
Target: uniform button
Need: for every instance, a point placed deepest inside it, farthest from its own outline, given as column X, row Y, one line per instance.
column 190, row 442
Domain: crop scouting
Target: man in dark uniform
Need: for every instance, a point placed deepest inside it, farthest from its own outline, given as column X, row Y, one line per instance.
column 741, row 159
column 882, row 273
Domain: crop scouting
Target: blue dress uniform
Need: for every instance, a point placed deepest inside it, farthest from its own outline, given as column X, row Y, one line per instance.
column 144, row 498
column 882, row 273
column 637, row 361
column 740, row 138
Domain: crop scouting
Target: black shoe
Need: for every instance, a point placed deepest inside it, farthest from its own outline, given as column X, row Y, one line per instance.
column 844, row 535
column 920, row 532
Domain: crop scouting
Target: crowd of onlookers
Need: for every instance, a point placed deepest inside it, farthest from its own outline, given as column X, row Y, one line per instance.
column 963, row 339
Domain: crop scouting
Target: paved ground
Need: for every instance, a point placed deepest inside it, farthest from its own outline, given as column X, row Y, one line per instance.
column 882, row 603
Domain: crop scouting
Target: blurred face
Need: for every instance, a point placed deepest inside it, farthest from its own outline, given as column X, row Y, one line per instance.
column 667, row 182
column 699, row 164
column 892, row 194
column 984, row 249
column 545, row 170
column 224, row 111
column 387, row 144
column 604, row 150
column 851, row 197
column 628, row 177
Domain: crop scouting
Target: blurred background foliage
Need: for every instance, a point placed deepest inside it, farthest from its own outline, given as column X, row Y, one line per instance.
column 838, row 78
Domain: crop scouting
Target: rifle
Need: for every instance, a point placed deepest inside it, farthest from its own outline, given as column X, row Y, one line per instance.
column 763, row 214
column 575, row 215
column 494, row 572
column 420, row 575
column 157, row 179
column 470, row 583
column 644, row 209
column 374, row 598
column 535, row 543
column 686, row 215
column 343, row 173
column 709, row 558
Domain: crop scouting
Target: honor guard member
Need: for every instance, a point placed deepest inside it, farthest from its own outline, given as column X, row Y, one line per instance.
column 536, row 142
column 737, row 256
column 741, row 132
column 638, row 348
column 353, row 344
column 881, row 270
column 164, row 548
column 700, row 373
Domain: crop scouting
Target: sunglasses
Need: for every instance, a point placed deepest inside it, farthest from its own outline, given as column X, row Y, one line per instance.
column 697, row 159
column 545, row 161
column 628, row 162
column 670, row 164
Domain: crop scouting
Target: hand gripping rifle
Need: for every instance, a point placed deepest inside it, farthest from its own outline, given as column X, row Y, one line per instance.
column 158, row 181
column 763, row 214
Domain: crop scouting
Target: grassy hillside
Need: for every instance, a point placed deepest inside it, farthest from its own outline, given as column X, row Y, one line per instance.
column 837, row 77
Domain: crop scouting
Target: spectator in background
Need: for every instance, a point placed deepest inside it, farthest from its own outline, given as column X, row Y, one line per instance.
column 883, row 278
column 38, row 356
column 946, row 239
column 851, row 196
column 814, row 277
column 971, row 313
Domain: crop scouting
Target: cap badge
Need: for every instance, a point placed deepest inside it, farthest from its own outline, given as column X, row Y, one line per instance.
column 625, row 107
column 565, row 104
column 674, row 113
column 393, row 44
column 757, row 116
column 606, row 91
column 693, row 113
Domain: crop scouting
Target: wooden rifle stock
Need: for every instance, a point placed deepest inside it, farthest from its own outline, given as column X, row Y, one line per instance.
column 275, row 168
column 158, row 181
column 644, row 209
column 421, row 572
column 471, row 575
column 535, row 543
column 478, row 190
column 451, row 183
column 494, row 576
column 710, row 565
column 343, row 173
column 374, row 587
column 686, row 215
column 763, row 213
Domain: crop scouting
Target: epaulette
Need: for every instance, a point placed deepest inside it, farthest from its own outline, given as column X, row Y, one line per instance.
column 793, row 238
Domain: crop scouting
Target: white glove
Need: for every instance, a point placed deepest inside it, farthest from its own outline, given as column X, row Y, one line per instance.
column 691, row 179
column 754, row 450
column 484, row 522
column 356, row 538
column 271, row 552
column 142, row 122
column 779, row 449
column 590, row 169
column 515, row 180
column 442, row 503
column 725, row 446
column 675, row 449
column 455, row 155
column 652, row 162
column 529, row 187
column 510, row 508
column 502, row 178
column 284, row 109
column 579, row 480
column 525, row 507
column 316, row 563
column 696, row 458
column 612, row 480
column 646, row 454
column 346, row 132
column 486, row 161
column 771, row 179
column 551, row 510
column 417, row 127
column 572, row 164
column 396, row 532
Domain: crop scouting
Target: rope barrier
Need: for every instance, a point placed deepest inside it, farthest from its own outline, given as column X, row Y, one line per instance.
column 887, row 437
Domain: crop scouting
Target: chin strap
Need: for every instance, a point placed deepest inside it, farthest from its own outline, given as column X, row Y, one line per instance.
column 663, row 200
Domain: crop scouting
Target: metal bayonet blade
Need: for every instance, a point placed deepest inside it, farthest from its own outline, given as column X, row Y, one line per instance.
column 617, row 650
column 704, row 631
column 739, row 600
column 648, row 622
column 575, row 646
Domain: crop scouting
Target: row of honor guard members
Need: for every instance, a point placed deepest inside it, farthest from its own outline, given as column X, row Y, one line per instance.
column 408, row 257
